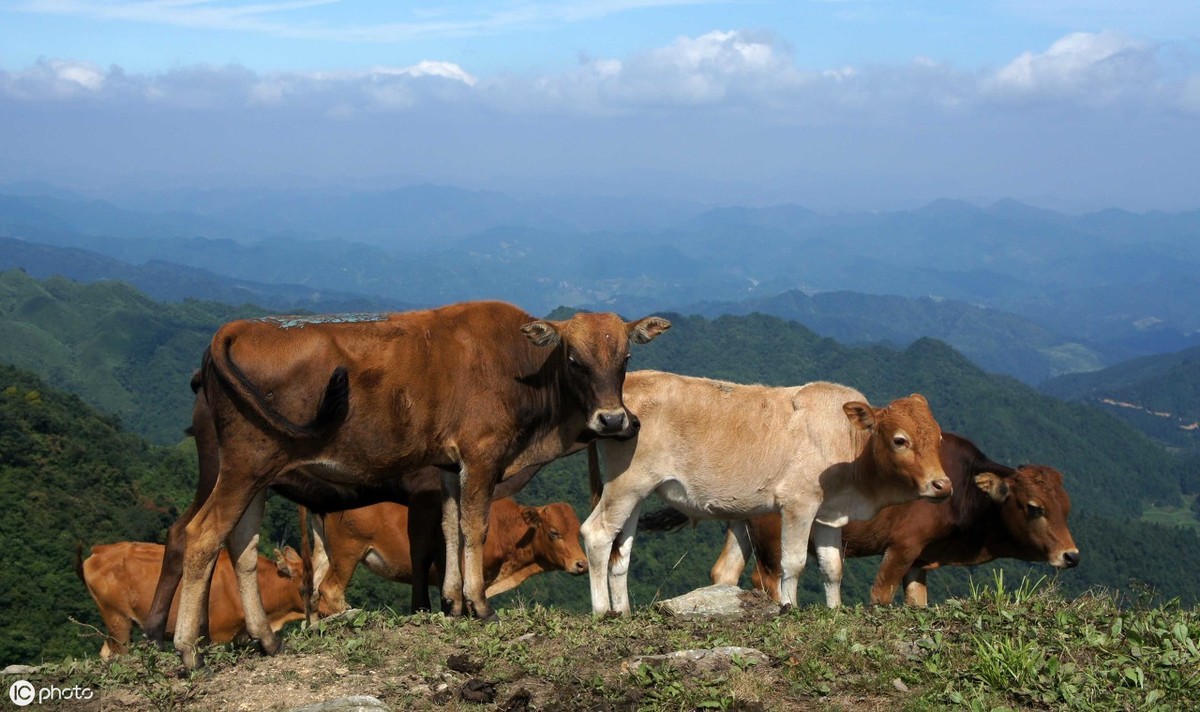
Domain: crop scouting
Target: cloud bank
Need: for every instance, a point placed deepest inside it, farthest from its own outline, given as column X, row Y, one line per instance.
column 728, row 107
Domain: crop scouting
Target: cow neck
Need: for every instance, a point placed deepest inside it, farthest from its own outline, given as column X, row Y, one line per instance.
column 514, row 549
column 555, row 420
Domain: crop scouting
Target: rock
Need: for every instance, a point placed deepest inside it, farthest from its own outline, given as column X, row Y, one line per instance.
column 720, row 600
column 702, row 660
column 354, row 703
column 21, row 670
column 899, row 685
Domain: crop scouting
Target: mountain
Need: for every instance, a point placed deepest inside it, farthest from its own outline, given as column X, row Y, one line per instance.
column 996, row 341
column 1159, row 395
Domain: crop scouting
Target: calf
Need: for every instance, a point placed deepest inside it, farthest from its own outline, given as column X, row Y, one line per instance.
column 121, row 579
column 995, row 512
column 818, row 454
column 401, row 544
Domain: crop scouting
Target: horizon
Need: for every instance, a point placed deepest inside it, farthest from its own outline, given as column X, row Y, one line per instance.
column 837, row 106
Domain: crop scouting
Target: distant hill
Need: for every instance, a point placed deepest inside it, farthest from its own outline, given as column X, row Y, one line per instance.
column 1159, row 395
column 996, row 341
column 1099, row 280
column 124, row 353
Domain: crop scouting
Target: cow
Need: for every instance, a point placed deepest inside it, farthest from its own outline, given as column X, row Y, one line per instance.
column 400, row 544
column 121, row 579
column 819, row 454
column 995, row 512
column 331, row 405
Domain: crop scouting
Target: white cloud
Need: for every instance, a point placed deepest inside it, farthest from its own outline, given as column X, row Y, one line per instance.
column 1096, row 68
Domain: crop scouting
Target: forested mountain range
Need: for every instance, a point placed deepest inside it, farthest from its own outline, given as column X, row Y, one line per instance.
column 1088, row 291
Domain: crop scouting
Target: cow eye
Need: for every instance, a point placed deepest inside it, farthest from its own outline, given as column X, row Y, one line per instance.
column 1035, row 511
column 899, row 441
column 573, row 361
column 627, row 357
column 554, row 534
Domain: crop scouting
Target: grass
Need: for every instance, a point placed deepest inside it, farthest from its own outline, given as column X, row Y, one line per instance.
column 1002, row 647
column 1174, row 516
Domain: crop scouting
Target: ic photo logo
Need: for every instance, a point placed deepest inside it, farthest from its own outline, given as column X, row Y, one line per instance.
column 23, row 693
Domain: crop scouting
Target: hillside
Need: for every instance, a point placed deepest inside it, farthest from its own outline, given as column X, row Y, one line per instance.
column 67, row 475
column 996, row 341
column 122, row 352
column 1159, row 395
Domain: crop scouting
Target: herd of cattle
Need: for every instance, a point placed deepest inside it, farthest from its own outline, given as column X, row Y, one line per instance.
column 405, row 434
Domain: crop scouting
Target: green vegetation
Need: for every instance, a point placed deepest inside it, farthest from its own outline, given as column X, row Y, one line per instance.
column 67, row 476
column 999, row 647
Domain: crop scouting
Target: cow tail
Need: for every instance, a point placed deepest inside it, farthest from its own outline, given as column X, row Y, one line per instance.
column 79, row 561
column 334, row 406
column 594, row 479
column 306, row 589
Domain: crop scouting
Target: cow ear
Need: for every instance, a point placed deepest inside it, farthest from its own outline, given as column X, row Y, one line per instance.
column 541, row 333
column 994, row 485
column 644, row 330
column 531, row 516
column 919, row 398
column 861, row 415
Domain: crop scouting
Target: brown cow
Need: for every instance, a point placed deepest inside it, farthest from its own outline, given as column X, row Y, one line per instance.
column 995, row 512
column 121, row 579
column 335, row 404
column 521, row 541
column 818, row 454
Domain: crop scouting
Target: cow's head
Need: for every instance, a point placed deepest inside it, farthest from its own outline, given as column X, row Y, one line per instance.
column 905, row 443
column 594, row 349
column 1034, row 507
column 556, row 537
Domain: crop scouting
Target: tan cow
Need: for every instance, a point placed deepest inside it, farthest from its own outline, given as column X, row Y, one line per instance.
column 818, row 454
column 401, row 544
column 334, row 404
column 121, row 579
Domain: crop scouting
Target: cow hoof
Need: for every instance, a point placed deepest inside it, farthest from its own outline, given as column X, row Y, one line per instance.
column 484, row 613
column 785, row 609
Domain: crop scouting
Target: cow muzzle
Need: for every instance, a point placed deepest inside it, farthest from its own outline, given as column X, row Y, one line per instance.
column 613, row 423
column 579, row 566
column 1068, row 559
column 937, row 489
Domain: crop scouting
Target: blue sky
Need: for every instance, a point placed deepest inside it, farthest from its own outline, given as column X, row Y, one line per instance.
column 828, row 103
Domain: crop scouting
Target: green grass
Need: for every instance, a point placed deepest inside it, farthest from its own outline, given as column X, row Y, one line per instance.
column 999, row 648
column 1182, row 516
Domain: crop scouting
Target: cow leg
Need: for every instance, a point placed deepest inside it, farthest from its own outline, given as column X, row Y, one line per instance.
column 732, row 561
column 796, row 526
column 120, row 632
column 422, row 557
column 916, row 593
column 452, row 589
column 320, row 567
column 475, row 509
column 896, row 562
column 209, row 462
column 599, row 532
column 828, row 541
column 618, row 563
column 214, row 521
column 243, row 550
